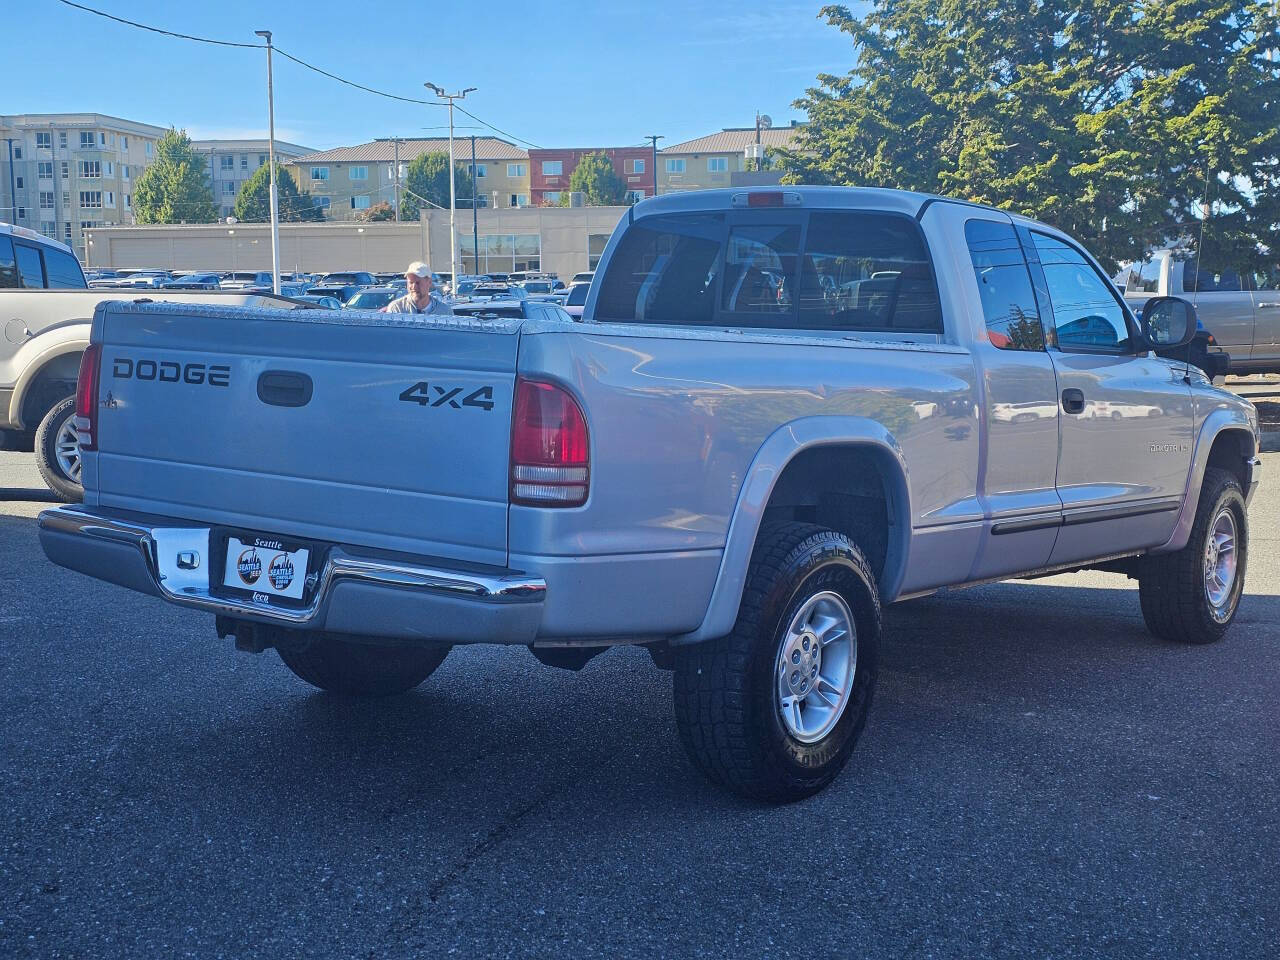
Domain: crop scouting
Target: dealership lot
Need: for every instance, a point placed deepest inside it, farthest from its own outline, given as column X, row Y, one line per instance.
column 1039, row 777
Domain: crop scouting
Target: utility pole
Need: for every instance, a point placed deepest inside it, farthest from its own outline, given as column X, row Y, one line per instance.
column 396, row 175
column 453, row 187
column 654, row 138
column 271, row 171
column 475, row 217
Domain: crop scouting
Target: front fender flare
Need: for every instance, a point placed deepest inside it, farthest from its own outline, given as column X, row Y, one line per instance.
column 778, row 450
column 1216, row 423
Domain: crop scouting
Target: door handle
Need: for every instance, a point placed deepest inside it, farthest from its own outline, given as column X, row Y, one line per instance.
column 1073, row 400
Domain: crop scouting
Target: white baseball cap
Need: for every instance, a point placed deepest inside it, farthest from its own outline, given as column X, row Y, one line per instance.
column 419, row 269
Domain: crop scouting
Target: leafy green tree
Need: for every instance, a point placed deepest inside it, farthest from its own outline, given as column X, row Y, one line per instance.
column 174, row 189
column 428, row 177
column 253, row 203
column 377, row 213
column 1112, row 119
column 598, row 182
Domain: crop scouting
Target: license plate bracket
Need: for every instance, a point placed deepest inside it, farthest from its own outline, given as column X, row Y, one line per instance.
column 264, row 568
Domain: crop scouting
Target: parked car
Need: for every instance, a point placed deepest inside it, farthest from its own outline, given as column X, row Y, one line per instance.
column 1239, row 310
column 356, row 278
column 312, row 300
column 576, row 300
column 511, row 309
column 339, row 291
column 246, row 279
column 736, row 481
column 194, row 281
column 373, row 298
column 134, row 280
column 584, row 277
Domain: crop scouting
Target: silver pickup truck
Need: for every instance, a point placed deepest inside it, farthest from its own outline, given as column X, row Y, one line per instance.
column 783, row 409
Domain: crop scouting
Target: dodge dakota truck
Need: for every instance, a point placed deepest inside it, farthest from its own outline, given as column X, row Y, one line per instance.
column 782, row 409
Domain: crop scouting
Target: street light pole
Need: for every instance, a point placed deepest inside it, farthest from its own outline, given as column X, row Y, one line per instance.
column 654, row 138
column 271, row 169
column 453, row 187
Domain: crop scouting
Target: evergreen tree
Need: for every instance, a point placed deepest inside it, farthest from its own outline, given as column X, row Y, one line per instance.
column 175, row 188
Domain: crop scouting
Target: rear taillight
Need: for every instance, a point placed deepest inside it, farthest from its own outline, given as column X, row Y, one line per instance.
column 550, row 458
column 87, row 397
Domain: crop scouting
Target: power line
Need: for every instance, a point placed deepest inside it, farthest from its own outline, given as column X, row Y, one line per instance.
column 167, row 33
column 498, row 130
column 352, row 83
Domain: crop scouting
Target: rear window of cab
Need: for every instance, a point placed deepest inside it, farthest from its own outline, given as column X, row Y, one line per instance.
column 821, row 270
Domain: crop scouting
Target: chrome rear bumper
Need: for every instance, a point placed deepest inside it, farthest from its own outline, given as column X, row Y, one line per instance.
column 352, row 593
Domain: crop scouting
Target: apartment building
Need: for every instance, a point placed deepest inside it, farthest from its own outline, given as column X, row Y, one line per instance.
column 723, row 159
column 550, row 170
column 232, row 162
column 63, row 173
column 348, row 180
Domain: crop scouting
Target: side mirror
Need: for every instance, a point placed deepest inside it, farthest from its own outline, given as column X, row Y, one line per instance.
column 1168, row 322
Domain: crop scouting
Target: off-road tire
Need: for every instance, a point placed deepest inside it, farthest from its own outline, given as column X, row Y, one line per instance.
column 725, row 697
column 360, row 669
column 1171, row 586
column 64, row 487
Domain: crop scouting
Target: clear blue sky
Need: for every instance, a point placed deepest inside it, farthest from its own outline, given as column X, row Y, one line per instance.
column 558, row 74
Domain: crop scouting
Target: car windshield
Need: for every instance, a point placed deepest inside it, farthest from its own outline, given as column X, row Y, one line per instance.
column 371, row 299
column 340, row 278
column 578, row 294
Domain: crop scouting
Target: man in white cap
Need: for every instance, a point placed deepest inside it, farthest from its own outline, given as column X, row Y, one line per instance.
column 419, row 298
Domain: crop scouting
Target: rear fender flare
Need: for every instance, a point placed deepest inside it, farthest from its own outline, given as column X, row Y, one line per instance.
column 35, row 355
column 778, row 450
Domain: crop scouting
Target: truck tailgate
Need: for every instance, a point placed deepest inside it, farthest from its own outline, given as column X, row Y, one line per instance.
column 384, row 431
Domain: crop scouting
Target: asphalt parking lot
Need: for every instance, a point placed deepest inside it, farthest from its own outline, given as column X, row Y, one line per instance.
column 1039, row 778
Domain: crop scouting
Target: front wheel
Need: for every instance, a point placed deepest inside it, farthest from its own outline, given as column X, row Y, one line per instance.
column 1192, row 595
column 58, row 451
column 773, row 710
column 360, row 669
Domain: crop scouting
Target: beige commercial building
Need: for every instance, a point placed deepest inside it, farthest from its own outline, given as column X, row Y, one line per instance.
column 719, row 159
column 348, row 180
column 232, row 162
column 561, row 240
column 66, row 173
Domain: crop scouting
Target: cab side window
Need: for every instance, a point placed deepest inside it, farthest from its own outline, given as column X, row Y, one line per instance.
column 1086, row 314
column 30, row 267
column 63, row 270
column 8, row 268
column 1008, row 301
column 1202, row 279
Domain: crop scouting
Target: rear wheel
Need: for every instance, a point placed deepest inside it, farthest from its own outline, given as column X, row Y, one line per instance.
column 773, row 710
column 360, row 669
column 58, row 451
column 1191, row 596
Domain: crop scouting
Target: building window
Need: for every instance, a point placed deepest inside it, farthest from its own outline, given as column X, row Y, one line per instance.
column 66, row 227
column 519, row 200
column 517, row 170
column 636, row 165
column 89, row 169
column 717, row 164
column 22, row 213
column 44, row 170
column 635, row 196
column 47, row 200
column 44, row 141
column 552, row 168
column 478, row 171
column 17, row 153
column 124, row 143
column 148, row 148
column 66, row 199
column 503, row 253
column 319, row 173
column 226, row 211
column 675, row 164
column 66, row 169
column 360, row 203
column 321, row 202
column 102, row 139
column 244, row 161
column 124, row 170
column 262, row 159
column 552, row 197
column 128, row 201
column 227, row 163
column 18, row 182
column 596, row 242
column 110, row 200
column 111, row 169
column 48, row 228
column 482, row 201
column 404, row 167
column 229, row 187
column 91, row 198
column 357, row 173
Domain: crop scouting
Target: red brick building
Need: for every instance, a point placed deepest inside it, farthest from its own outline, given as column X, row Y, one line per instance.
column 550, row 170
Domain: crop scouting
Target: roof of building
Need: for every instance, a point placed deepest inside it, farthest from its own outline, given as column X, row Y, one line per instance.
column 736, row 139
column 383, row 151
column 290, row 149
column 36, row 120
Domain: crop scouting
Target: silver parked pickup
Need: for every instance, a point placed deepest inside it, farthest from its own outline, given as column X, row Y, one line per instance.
column 783, row 409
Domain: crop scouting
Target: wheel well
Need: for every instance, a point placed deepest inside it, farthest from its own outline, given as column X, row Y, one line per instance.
column 1230, row 450
column 55, row 381
column 846, row 489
